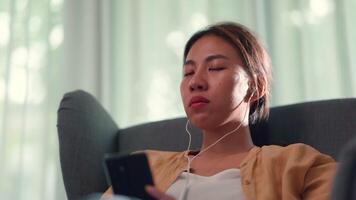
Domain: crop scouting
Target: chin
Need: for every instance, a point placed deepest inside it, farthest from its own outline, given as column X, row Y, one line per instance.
column 201, row 122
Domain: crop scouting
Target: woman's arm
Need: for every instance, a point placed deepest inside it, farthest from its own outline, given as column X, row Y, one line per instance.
column 319, row 179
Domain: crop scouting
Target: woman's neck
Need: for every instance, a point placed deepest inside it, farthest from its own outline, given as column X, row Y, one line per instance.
column 239, row 141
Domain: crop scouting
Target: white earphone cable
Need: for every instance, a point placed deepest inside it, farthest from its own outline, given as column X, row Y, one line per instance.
column 190, row 160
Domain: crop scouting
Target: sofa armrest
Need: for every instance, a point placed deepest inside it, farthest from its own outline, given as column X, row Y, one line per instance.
column 86, row 132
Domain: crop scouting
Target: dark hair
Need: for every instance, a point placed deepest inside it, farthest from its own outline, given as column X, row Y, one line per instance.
column 254, row 56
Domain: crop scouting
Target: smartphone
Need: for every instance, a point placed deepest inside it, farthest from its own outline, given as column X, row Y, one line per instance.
column 129, row 174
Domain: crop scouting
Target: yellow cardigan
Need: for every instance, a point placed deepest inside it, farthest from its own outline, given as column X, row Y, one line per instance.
column 273, row 172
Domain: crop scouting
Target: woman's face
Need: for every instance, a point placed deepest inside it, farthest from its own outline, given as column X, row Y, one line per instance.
column 214, row 84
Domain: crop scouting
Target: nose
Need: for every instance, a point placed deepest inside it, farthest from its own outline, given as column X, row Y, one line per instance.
column 198, row 83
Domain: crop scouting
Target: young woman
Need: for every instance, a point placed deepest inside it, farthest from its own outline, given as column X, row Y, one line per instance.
column 226, row 86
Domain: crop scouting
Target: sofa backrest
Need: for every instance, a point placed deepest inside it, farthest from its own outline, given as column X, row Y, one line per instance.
column 87, row 132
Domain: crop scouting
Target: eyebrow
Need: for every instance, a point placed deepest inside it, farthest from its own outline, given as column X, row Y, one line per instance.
column 208, row 59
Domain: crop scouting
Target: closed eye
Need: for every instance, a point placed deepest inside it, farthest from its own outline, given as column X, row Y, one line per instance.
column 216, row 68
column 188, row 73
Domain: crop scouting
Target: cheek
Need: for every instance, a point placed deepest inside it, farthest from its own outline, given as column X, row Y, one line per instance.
column 227, row 88
column 233, row 89
column 183, row 89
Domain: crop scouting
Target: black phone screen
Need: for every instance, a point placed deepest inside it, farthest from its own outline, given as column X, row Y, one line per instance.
column 129, row 174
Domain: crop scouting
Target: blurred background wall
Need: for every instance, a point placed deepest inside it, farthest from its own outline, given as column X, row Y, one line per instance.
column 128, row 53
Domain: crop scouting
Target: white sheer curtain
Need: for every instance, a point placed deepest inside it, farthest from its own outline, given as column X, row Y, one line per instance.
column 311, row 43
column 31, row 36
column 128, row 54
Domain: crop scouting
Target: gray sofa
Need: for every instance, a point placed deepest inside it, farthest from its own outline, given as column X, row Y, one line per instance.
column 86, row 132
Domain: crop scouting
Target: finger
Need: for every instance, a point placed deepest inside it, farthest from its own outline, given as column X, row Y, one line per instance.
column 157, row 194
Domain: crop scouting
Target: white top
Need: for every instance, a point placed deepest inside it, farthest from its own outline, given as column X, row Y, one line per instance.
column 224, row 185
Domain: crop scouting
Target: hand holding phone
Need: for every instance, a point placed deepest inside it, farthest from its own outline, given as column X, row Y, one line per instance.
column 129, row 174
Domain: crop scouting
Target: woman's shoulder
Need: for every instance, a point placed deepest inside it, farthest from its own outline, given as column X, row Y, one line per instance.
column 291, row 147
column 298, row 152
column 303, row 168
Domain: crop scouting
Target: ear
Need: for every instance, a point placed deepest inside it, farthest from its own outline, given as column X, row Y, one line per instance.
column 255, row 92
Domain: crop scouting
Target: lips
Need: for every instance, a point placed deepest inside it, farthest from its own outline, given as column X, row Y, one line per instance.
column 198, row 101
